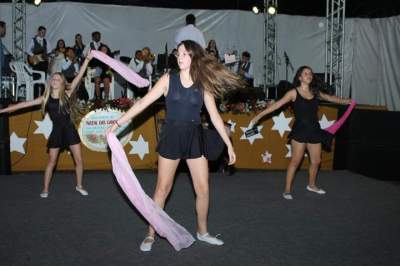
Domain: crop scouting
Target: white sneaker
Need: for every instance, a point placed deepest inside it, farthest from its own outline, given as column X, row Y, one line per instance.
column 287, row 195
column 147, row 243
column 213, row 240
column 318, row 190
column 82, row 191
column 44, row 195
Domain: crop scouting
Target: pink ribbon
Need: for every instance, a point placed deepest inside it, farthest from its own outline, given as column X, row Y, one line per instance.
column 122, row 69
column 335, row 127
column 178, row 236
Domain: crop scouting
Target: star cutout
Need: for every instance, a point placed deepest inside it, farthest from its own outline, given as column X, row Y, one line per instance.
column 139, row 147
column 44, row 127
column 251, row 139
column 17, row 143
column 289, row 153
column 325, row 123
column 281, row 123
column 266, row 157
column 233, row 125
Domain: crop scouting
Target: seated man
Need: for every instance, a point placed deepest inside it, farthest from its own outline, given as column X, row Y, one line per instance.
column 245, row 68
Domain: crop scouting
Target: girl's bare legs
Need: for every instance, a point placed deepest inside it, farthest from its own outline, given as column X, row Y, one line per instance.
column 199, row 171
column 48, row 173
column 165, row 179
column 77, row 155
column 314, row 151
column 298, row 149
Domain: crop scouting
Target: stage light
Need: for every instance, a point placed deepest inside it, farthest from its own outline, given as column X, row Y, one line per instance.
column 271, row 10
column 255, row 10
column 37, row 2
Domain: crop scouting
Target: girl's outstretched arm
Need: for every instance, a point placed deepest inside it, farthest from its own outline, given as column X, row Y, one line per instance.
column 78, row 77
column 334, row 99
column 289, row 96
column 156, row 92
column 22, row 105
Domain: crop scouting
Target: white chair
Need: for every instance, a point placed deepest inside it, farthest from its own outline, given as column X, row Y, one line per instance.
column 25, row 78
column 90, row 86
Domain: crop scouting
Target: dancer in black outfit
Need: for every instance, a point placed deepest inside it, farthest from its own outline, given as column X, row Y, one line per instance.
column 200, row 78
column 306, row 132
column 56, row 102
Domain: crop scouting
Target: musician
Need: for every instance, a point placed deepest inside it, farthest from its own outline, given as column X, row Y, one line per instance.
column 38, row 51
column 245, row 68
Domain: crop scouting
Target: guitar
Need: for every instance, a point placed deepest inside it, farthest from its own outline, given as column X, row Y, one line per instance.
column 35, row 59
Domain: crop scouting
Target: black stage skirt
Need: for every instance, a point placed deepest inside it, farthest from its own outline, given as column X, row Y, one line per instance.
column 313, row 136
column 186, row 140
column 63, row 137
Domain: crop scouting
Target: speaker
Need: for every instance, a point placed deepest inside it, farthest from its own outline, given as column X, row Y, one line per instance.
column 161, row 63
column 371, row 152
column 5, row 161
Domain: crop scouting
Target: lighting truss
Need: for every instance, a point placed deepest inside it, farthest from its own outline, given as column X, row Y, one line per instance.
column 334, row 46
column 19, row 29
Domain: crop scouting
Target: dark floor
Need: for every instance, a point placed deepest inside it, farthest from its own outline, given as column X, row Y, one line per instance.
column 356, row 223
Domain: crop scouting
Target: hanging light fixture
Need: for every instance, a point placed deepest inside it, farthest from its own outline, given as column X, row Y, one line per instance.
column 255, row 9
column 271, row 10
column 37, row 2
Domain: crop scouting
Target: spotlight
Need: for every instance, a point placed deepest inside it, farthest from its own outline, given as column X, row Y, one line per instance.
column 271, row 10
column 37, row 2
column 255, row 10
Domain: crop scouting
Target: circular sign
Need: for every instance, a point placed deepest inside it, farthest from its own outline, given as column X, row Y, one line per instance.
column 93, row 126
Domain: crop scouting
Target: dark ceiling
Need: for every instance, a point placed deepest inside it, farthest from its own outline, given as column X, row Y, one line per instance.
column 354, row 8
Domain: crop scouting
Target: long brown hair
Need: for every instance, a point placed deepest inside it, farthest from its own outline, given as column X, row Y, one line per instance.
column 206, row 71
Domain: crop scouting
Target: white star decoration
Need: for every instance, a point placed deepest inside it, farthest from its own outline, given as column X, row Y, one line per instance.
column 281, row 123
column 325, row 123
column 17, row 143
column 139, row 147
column 44, row 127
column 251, row 139
column 266, row 157
column 233, row 125
column 289, row 153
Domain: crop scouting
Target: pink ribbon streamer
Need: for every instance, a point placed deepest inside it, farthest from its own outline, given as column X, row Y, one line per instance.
column 335, row 127
column 166, row 227
column 122, row 69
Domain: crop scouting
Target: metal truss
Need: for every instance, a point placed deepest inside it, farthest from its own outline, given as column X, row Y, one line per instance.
column 19, row 29
column 269, row 45
column 334, row 46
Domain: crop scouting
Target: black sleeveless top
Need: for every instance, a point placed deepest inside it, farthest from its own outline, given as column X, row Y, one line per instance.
column 183, row 104
column 306, row 128
column 64, row 133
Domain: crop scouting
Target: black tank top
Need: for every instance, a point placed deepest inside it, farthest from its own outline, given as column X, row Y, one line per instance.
column 59, row 116
column 305, row 112
column 183, row 104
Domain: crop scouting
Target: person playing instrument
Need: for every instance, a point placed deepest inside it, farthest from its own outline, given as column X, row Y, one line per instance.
column 306, row 132
column 56, row 102
column 38, row 51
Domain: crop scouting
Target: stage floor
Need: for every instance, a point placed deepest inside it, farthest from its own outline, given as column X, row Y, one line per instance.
column 355, row 223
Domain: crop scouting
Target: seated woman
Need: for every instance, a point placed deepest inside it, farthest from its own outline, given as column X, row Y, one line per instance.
column 58, row 57
column 212, row 49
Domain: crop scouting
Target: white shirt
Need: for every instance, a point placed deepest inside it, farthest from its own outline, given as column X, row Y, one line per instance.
column 87, row 47
column 66, row 63
column 248, row 74
column 137, row 65
column 40, row 41
column 190, row 32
